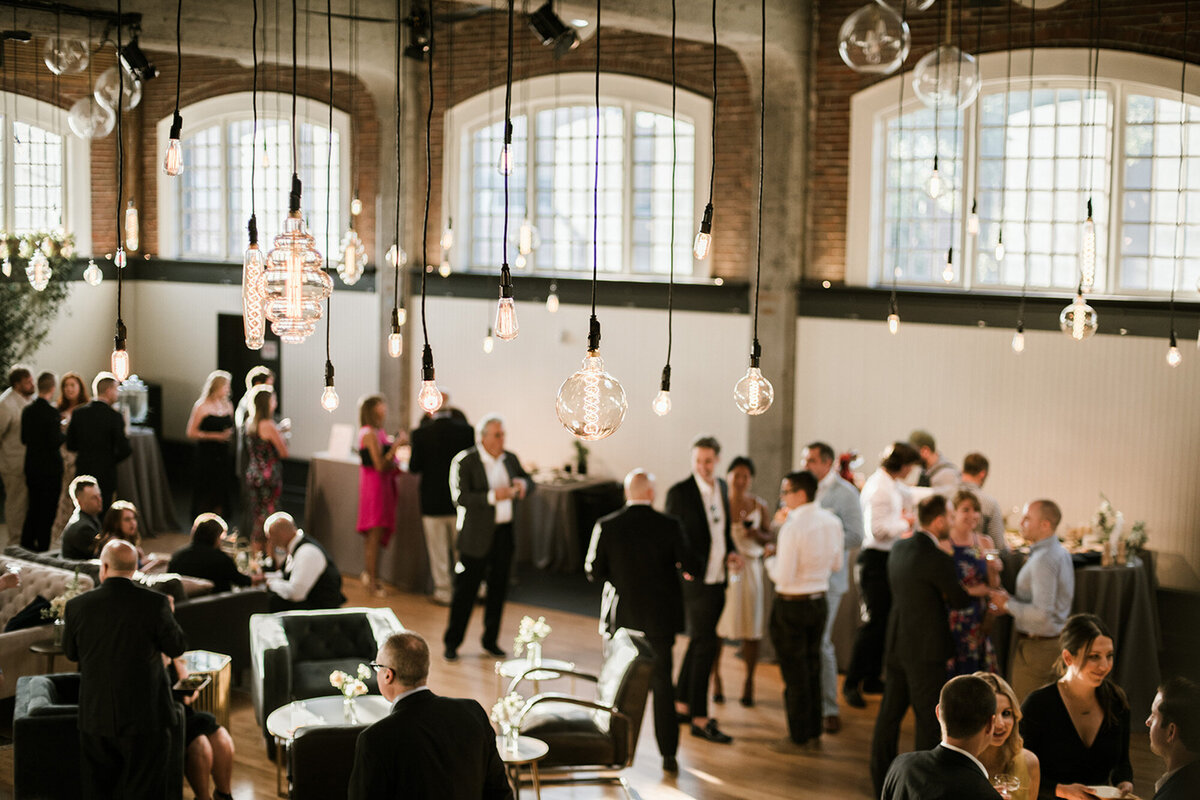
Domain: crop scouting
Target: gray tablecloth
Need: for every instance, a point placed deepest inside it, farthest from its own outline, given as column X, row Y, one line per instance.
column 142, row 480
column 548, row 522
column 331, row 517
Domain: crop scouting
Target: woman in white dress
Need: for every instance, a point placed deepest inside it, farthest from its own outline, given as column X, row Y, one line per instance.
column 744, row 618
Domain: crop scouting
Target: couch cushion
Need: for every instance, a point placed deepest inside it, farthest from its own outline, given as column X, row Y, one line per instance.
column 571, row 733
column 36, row 579
column 318, row 637
column 53, row 558
column 311, row 678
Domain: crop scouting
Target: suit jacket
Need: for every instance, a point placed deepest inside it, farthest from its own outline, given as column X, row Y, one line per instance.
column 469, row 490
column 685, row 503
column 97, row 435
column 42, row 434
column 210, row 563
column 1183, row 785
column 434, row 447
column 118, row 633
column 638, row 552
column 79, row 537
column 841, row 499
column 924, row 582
column 429, row 747
column 937, row 774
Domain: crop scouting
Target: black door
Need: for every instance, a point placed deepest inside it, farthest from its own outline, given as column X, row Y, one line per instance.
column 235, row 358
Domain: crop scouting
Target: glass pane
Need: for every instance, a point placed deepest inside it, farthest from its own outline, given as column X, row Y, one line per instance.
column 37, row 174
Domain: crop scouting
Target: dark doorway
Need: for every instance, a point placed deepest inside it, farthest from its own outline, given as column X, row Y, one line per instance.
column 235, row 358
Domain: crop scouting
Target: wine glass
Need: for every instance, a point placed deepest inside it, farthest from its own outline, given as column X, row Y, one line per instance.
column 1006, row 784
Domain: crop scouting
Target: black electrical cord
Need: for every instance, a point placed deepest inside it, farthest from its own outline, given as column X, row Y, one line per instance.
column 1029, row 170
column 762, row 138
column 508, row 134
column 399, row 161
column 892, row 305
column 596, row 188
column 119, row 340
column 674, row 163
column 1181, row 197
column 428, row 190
column 179, row 49
column 328, row 190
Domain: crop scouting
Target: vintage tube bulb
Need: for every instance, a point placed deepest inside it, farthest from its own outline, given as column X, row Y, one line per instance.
column 120, row 356
column 1174, row 358
column 506, row 310
column 662, row 401
column 173, row 162
column 1018, row 340
column 329, row 397
column 395, row 339
column 703, row 243
column 552, row 298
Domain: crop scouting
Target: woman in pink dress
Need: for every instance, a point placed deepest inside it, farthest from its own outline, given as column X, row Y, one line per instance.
column 376, row 485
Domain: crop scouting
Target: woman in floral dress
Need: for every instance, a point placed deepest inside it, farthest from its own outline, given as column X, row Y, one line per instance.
column 973, row 649
column 264, row 474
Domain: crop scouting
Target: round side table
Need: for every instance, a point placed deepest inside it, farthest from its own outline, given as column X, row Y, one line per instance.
column 530, row 751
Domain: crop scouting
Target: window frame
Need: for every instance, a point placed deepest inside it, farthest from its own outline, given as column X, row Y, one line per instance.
column 1122, row 73
column 77, row 164
column 631, row 94
column 221, row 111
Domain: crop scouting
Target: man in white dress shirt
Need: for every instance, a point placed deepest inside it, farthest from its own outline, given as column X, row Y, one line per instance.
column 13, row 400
column 308, row 578
column 886, row 517
column 809, row 549
column 837, row 495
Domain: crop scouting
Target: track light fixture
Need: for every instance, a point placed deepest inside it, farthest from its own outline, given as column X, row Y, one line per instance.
column 552, row 31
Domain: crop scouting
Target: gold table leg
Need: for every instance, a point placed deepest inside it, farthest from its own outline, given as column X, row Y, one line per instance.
column 537, row 785
column 280, row 746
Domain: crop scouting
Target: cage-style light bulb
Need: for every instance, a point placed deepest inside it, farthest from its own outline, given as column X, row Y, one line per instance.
column 448, row 236
column 662, row 401
column 552, row 299
column 329, row 397
column 893, row 321
column 1018, row 340
column 92, row 273
column 703, row 244
column 131, row 227
column 948, row 268
column 173, row 162
column 120, row 259
column 1174, row 358
column 1087, row 253
column 1078, row 320
column 296, row 283
column 353, row 261
column 355, row 206
column 591, row 403
column 505, row 162
column 506, row 310
column 753, row 394
column 973, row 219
column 254, row 290
column 38, row 270
column 120, row 356
column 488, row 342
column 392, row 254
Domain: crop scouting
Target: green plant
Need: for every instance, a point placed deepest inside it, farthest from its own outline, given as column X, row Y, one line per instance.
column 26, row 314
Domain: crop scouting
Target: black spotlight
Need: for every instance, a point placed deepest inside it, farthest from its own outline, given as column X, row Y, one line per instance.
column 552, row 31
column 418, row 46
column 136, row 63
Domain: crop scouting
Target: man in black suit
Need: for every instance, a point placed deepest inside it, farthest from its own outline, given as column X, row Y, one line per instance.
column 428, row 746
column 951, row 770
column 919, row 644
column 638, row 553
column 434, row 446
column 203, row 557
column 83, row 528
column 119, row 633
column 96, row 435
column 1174, row 725
column 42, row 435
column 701, row 503
column 486, row 483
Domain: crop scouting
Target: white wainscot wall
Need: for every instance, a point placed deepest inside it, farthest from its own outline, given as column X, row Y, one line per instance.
column 81, row 337
column 1063, row 420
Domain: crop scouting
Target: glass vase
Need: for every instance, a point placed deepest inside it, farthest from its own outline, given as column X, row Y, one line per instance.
column 349, row 710
column 533, row 653
column 60, row 627
column 511, row 737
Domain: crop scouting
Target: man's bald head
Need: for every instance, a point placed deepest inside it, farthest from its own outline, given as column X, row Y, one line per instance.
column 639, row 485
column 118, row 559
column 280, row 528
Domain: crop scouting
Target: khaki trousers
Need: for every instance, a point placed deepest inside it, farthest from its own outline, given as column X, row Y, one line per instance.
column 1032, row 665
column 440, row 533
column 16, row 502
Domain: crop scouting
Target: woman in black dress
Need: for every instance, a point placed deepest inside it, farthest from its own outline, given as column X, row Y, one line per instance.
column 211, row 427
column 1079, row 726
column 208, row 760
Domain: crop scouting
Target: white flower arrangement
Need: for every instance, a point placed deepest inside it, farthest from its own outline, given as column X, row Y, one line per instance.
column 531, row 632
column 507, row 710
column 58, row 606
column 350, row 686
column 1109, row 524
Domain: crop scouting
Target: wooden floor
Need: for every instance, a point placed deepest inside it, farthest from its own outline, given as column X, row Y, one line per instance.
column 746, row 769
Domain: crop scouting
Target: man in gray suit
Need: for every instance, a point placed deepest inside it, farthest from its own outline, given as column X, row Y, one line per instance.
column 836, row 495
column 486, row 483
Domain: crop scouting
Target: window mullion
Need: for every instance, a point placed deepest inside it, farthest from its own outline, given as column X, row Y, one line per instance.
column 627, row 193
column 1116, row 189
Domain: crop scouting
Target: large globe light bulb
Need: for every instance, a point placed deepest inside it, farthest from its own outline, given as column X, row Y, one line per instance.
column 874, row 40
column 591, row 403
column 1078, row 320
column 108, row 85
column 753, row 394
column 90, row 120
column 946, row 78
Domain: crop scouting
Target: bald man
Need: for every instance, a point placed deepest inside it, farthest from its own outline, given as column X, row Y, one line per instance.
column 118, row 633
column 638, row 554
column 309, row 579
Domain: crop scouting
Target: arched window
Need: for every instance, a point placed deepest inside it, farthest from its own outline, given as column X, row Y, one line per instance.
column 39, row 162
column 554, row 142
column 204, row 211
column 1064, row 142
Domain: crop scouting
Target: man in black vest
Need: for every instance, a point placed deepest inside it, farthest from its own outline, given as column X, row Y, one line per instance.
column 42, row 435
column 637, row 553
column 309, row 578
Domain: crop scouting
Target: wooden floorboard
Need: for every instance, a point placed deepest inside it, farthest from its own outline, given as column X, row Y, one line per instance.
column 746, row 769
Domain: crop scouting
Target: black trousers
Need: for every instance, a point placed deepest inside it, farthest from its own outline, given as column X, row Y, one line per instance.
column 866, row 660
column 702, row 605
column 666, row 729
column 917, row 684
column 469, row 573
column 123, row 766
column 796, row 628
column 43, row 505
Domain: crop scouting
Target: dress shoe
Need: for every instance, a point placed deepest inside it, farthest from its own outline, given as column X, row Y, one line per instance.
column 747, row 701
column 872, row 686
column 832, row 723
column 719, row 698
column 853, row 697
column 788, row 747
column 451, row 654
column 712, row 733
column 493, row 650
column 681, row 717
column 670, row 764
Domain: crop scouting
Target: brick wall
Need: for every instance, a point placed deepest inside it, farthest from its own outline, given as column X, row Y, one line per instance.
column 1155, row 29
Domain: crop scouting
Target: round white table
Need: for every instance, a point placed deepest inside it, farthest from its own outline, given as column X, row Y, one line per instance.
column 283, row 722
column 548, row 670
column 530, row 750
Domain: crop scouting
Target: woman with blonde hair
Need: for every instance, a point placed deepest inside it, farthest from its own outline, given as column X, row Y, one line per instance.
column 1006, row 754
column 376, row 485
column 210, row 425
column 264, row 471
column 972, row 647
column 72, row 393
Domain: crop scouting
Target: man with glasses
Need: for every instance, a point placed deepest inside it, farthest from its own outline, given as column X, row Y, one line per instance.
column 428, row 746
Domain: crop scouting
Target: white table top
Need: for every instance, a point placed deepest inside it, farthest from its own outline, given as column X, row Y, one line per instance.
column 529, row 749
column 283, row 722
column 548, row 669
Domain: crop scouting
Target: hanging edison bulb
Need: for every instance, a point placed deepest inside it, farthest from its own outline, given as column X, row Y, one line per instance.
column 936, row 184
column 353, row 261
column 119, row 259
column 591, row 403
column 108, row 86
column 753, row 394
column 506, row 310
column 489, row 343
column 1078, row 320
column 65, row 56
column 505, row 163
column 528, row 238
column 662, row 401
column 999, row 252
column 1087, row 252
column 119, row 361
column 946, row 77
column 355, row 206
column 295, row 283
column 703, row 244
column 395, row 339
column 445, row 268
column 1174, row 358
column 92, row 273
column 88, row 119
column 873, row 40
column 552, row 298
column 254, row 290
column 1018, row 340
column 430, row 397
column 38, row 270
column 948, row 267
column 447, row 240
column 395, row 252
column 329, row 396
column 973, row 219
column 893, row 317
column 173, row 161
column 132, row 230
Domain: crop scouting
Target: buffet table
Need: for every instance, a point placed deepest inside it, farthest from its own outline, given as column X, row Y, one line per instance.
column 331, row 517
column 554, row 524
column 142, row 480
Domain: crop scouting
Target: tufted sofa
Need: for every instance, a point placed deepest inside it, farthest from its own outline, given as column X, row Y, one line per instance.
column 293, row 653
column 15, row 658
